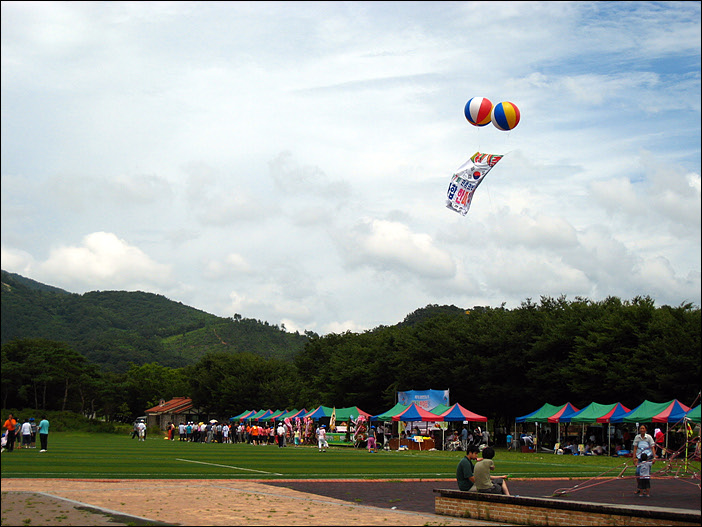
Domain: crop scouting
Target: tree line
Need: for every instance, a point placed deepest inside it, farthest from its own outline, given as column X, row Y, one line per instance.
column 497, row 362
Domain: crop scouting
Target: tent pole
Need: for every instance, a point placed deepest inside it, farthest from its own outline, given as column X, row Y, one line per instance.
column 686, row 440
column 666, row 437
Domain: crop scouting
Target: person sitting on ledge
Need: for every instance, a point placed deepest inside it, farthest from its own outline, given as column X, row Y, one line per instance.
column 484, row 481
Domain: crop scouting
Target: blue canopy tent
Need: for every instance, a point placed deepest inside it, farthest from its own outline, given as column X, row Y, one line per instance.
column 320, row 411
column 265, row 415
column 614, row 415
column 458, row 413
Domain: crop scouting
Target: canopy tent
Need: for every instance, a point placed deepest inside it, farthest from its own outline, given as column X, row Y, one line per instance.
column 416, row 413
column 266, row 415
column 292, row 414
column 243, row 415
column 257, row 415
column 458, row 413
column 439, row 409
column 674, row 413
column 649, row 412
column 276, row 415
column 350, row 412
column 320, row 411
column 617, row 412
column 593, row 412
column 563, row 415
column 694, row 414
column 541, row 415
column 387, row 415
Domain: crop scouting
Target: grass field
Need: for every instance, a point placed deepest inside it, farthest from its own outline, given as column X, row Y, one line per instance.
column 111, row 456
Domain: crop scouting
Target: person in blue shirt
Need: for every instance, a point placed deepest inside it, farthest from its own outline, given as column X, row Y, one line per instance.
column 44, row 434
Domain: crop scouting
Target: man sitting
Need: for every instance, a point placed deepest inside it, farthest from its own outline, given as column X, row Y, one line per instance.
column 464, row 471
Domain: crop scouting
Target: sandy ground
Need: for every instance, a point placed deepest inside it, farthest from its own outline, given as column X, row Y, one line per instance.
column 182, row 502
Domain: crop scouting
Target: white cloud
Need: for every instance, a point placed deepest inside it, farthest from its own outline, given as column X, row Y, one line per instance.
column 289, row 161
column 385, row 244
column 103, row 258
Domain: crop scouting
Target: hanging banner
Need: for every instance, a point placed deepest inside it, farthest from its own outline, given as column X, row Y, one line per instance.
column 425, row 399
column 466, row 179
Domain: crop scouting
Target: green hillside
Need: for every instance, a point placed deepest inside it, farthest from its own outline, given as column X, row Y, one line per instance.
column 114, row 328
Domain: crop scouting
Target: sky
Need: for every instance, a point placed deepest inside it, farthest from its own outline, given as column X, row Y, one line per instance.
column 289, row 162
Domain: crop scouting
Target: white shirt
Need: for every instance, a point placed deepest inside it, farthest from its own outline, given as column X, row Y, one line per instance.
column 26, row 429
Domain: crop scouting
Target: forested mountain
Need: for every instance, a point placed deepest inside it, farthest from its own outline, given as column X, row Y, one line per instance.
column 118, row 353
column 115, row 328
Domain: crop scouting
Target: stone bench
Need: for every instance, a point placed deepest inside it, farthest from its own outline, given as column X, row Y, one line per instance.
column 522, row 510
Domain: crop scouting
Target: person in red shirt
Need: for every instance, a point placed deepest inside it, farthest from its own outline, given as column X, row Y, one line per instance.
column 11, row 427
column 659, row 438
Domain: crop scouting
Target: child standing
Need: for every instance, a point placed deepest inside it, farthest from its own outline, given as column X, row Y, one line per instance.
column 643, row 475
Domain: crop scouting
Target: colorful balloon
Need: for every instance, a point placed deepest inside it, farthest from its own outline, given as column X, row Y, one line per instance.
column 478, row 110
column 505, row 116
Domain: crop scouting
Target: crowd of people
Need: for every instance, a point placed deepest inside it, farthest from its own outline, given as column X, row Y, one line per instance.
column 264, row 433
column 24, row 434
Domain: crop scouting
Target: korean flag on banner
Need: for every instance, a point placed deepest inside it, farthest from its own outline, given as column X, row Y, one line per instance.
column 466, row 179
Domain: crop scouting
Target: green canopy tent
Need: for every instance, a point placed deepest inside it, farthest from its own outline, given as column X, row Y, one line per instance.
column 242, row 415
column 672, row 411
column 257, row 415
column 591, row 413
column 694, row 414
column 541, row 416
column 287, row 414
column 350, row 412
column 647, row 412
column 387, row 416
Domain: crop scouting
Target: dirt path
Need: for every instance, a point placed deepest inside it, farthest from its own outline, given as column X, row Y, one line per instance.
column 182, row 502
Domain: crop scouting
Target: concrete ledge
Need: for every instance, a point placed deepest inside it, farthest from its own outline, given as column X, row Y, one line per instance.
column 518, row 510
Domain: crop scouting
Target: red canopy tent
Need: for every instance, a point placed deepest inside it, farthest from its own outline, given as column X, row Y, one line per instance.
column 614, row 414
column 416, row 413
column 563, row 414
column 458, row 413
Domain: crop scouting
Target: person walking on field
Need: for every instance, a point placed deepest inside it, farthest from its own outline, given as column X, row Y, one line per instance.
column 141, row 429
column 371, row 442
column 322, row 438
column 44, row 434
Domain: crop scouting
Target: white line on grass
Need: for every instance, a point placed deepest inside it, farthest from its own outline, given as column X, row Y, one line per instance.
column 229, row 466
